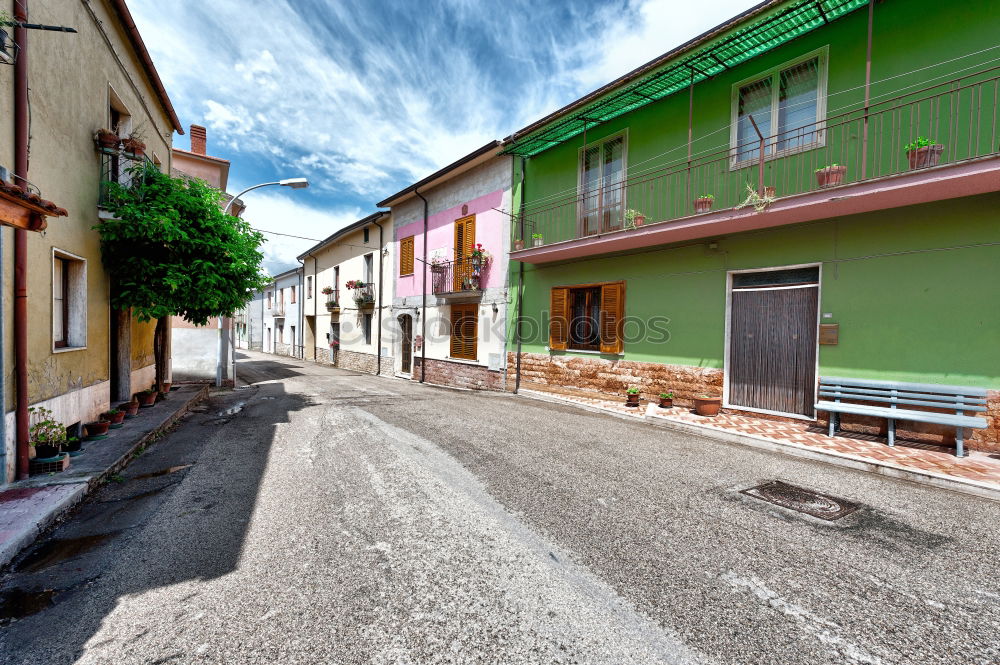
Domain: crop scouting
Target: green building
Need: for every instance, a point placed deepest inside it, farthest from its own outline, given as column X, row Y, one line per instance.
column 810, row 189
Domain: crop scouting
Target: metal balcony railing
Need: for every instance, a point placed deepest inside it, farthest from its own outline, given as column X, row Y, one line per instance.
column 116, row 167
column 960, row 116
column 278, row 309
column 458, row 276
column 364, row 295
column 332, row 299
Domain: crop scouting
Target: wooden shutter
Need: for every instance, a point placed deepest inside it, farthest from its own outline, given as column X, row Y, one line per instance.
column 559, row 318
column 612, row 317
column 464, row 331
column 406, row 256
column 465, row 236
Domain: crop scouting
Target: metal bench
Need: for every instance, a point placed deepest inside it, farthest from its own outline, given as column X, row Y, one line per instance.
column 896, row 393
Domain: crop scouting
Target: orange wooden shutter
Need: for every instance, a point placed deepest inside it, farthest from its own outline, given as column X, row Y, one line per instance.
column 559, row 318
column 406, row 256
column 612, row 317
column 464, row 331
column 465, row 236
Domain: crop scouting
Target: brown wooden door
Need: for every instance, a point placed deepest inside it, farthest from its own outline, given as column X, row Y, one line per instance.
column 406, row 324
column 772, row 342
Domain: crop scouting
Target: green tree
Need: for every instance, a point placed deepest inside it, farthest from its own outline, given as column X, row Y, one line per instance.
column 172, row 251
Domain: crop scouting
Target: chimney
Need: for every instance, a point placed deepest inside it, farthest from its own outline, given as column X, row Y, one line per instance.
column 198, row 139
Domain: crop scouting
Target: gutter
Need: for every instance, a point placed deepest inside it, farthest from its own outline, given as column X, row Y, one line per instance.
column 378, row 350
column 412, row 189
column 423, row 297
column 21, row 138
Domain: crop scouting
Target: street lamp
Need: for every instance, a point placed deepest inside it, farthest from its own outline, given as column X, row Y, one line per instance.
column 294, row 183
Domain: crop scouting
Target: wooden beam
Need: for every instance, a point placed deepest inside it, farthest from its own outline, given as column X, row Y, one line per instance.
column 21, row 215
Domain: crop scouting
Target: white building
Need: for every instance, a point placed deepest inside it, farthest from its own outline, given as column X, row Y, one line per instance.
column 282, row 326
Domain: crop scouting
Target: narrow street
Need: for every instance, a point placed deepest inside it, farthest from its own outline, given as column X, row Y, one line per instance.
column 323, row 516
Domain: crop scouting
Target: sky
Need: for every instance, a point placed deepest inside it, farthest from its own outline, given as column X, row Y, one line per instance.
column 365, row 98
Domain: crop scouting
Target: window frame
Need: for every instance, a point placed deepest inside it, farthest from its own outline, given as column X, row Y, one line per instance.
column 774, row 73
column 309, row 287
column 604, row 340
column 406, row 256
column 366, row 328
column 580, row 193
column 457, row 309
column 291, row 299
column 74, row 302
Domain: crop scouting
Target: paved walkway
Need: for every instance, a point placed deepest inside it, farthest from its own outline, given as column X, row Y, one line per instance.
column 979, row 468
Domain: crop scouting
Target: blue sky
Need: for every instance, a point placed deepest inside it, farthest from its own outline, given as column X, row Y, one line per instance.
column 364, row 98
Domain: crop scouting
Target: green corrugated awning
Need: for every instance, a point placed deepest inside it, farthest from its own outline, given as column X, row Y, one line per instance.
column 735, row 48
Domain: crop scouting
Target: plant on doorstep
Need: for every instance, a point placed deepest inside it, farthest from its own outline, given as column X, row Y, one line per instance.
column 171, row 251
column 146, row 398
column 923, row 152
column 632, row 395
column 704, row 203
column 131, row 409
column 706, row 405
column 114, row 417
column 46, row 435
column 97, row 429
column 666, row 400
column 830, row 176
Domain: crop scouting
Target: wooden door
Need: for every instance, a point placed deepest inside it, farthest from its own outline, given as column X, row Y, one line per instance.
column 772, row 341
column 406, row 324
column 465, row 240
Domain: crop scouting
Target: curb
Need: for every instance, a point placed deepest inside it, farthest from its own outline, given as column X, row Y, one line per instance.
column 82, row 487
column 887, row 469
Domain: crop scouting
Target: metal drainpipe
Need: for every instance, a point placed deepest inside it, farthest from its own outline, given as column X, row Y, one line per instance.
column 315, row 308
column 21, row 138
column 520, row 292
column 423, row 304
column 378, row 341
column 300, row 301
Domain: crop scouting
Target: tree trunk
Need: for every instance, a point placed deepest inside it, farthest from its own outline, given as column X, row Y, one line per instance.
column 161, row 341
column 121, row 359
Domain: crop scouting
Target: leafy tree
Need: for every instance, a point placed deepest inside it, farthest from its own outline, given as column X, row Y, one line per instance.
column 172, row 251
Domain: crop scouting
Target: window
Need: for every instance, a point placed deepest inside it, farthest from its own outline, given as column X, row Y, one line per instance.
column 69, row 301
column 366, row 327
column 269, row 300
column 369, row 268
column 293, row 334
column 406, row 256
column 602, row 185
column 788, row 104
column 280, row 337
column 365, row 234
column 464, row 331
column 291, row 300
column 309, row 287
column 588, row 317
column 336, row 279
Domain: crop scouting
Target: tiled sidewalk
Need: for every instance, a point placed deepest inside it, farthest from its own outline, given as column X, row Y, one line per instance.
column 979, row 467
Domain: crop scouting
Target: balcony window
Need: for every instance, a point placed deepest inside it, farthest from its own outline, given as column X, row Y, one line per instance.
column 788, row 103
column 602, row 193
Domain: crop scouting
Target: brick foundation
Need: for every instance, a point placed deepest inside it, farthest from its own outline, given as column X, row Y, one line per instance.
column 460, row 375
column 601, row 378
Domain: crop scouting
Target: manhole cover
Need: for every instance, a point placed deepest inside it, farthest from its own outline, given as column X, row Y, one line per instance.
column 802, row 500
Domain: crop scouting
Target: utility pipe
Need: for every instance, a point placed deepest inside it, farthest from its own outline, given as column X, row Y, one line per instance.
column 868, row 91
column 21, row 242
column 520, row 289
column 423, row 296
column 378, row 341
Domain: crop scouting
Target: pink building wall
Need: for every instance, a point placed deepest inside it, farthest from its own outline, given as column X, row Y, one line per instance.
column 490, row 227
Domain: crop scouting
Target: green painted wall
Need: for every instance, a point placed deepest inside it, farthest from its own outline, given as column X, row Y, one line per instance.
column 915, row 291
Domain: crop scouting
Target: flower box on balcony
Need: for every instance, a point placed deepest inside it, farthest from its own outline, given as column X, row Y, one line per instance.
column 830, row 176
column 333, row 307
column 924, row 156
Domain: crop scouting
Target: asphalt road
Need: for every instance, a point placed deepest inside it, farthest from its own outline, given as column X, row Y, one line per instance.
column 321, row 516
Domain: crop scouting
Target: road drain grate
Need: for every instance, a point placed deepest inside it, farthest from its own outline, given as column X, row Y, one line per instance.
column 802, row 500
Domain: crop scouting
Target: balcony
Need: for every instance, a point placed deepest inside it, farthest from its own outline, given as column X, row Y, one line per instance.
column 332, row 301
column 852, row 162
column 115, row 167
column 363, row 294
column 277, row 310
column 459, row 277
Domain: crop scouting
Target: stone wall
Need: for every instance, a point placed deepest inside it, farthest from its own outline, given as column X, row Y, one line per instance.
column 459, row 375
column 601, row 377
column 282, row 349
column 360, row 362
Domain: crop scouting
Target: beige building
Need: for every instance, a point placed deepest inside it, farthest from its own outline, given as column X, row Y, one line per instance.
column 79, row 356
column 349, row 328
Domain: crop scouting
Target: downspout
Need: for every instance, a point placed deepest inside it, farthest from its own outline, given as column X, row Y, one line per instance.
column 21, row 243
column 302, row 311
column 423, row 303
column 315, row 310
column 378, row 341
column 520, row 290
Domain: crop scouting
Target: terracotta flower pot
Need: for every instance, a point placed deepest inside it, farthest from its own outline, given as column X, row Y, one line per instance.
column 831, row 176
column 633, row 400
column 108, row 140
column 97, row 428
column 707, row 406
column 770, row 192
column 166, row 386
column 639, row 220
column 703, row 204
column 114, row 418
column 518, row 245
column 130, row 408
column 666, row 402
column 134, row 147
column 146, row 399
column 928, row 155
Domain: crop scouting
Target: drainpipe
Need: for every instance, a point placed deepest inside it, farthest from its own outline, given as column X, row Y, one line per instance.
column 378, row 341
column 423, row 303
column 520, row 291
column 300, row 301
column 315, row 309
column 21, row 242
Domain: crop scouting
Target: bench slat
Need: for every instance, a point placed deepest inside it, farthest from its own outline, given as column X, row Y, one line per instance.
column 901, row 393
column 903, row 414
column 895, row 400
column 901, row 385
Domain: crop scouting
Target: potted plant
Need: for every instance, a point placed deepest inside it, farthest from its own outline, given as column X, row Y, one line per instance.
column 97, row 429
column 518, row 245
column 479, row 256
column 632, row 395
column 666, row 400
column 115, row 417
column 146, row 398
column 704, row 203
column 108, row 140
column 831, row 175
column 634, row 218
column 166, row 386
column 73, row 446
column 923, row 152
column 536, row 240
column 706, row 405
column 134, row 144
column 46, row 435
column 129, row 408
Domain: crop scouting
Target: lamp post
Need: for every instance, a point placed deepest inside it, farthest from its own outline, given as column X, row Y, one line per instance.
column 294, row 183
